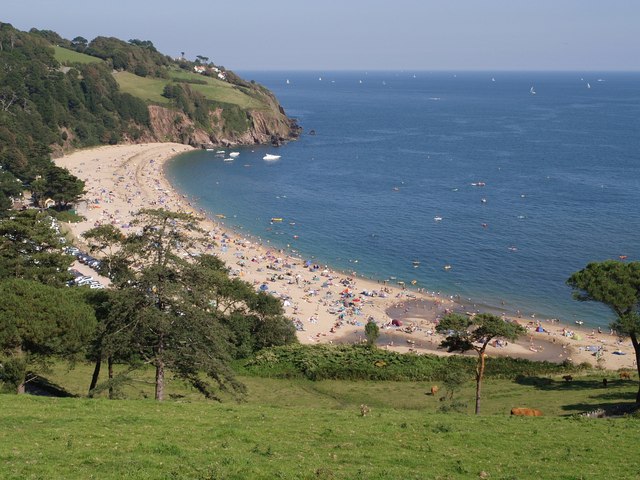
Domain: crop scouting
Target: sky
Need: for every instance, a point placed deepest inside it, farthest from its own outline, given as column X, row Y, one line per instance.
column 490, row 35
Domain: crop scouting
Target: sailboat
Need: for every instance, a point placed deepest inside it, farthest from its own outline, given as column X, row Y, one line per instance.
column 532, row 91
column 588, row 85
column 288, row 81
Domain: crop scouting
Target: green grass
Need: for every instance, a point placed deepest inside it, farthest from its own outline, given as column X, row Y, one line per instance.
column 150, row 89
column 550, row 394
column 79, row 438
column 67, row 57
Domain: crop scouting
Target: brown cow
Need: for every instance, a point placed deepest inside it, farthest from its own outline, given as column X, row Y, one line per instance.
column 567, row 378
column 526, row 412
column 625, row 376
column 434, row 389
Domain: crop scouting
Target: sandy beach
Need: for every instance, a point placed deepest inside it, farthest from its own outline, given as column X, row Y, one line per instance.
column 325, row 305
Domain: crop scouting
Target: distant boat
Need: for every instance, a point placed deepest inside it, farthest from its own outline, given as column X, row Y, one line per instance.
column 437, row 218
column 588, row 85
column 230, row 159
column 276, row 220
column 220, row 152
column 447, row 267
column 209, row 149
column 268, row 156
column 319, row 79
column 532, row 91
column 478, row 184
column 493, row 79
column 234, row 154
column 287, row 81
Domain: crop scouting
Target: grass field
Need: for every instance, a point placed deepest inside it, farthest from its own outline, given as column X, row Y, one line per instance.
column 150, row 89
column 66, row 56
column 300, row 429
column 80, row 438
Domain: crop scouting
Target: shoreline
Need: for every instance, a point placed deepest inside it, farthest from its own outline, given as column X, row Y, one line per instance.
column 325, row 304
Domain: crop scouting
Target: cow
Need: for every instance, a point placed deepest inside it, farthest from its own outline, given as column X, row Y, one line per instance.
column 604, row 382
column 567, row 378
column 625, row 376
column 526, row 412
column 434, row 389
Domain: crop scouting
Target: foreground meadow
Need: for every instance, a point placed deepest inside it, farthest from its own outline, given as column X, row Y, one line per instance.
column 303, row 429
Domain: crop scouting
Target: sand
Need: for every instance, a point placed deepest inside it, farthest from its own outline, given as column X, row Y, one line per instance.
column 326, row 305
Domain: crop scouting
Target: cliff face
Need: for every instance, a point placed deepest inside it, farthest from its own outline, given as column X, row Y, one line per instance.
column 263, row 127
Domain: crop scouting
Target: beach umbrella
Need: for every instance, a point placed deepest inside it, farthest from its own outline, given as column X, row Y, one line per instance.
column 264, row 287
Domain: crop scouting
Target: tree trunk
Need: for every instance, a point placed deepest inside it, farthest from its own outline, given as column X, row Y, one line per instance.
column 110, row 371
column 21, row 362
column 479, row 375
column 160, row 371
column 636, row 348
column 96, row 375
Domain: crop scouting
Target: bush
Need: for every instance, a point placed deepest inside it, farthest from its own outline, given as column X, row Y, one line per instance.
column 359, row 362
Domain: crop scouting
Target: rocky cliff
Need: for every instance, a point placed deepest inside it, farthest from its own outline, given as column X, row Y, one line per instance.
column 263, row 127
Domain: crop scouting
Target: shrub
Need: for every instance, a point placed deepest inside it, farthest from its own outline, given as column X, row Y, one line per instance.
column 359, row 362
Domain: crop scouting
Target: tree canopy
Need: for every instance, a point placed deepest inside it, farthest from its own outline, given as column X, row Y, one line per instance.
column 617, row 285
column 38, row 322
column 178, row 311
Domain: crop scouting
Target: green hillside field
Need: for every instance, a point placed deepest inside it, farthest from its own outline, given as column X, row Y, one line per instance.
column 141, row 439
column 300, row 429
column 67, row 57
column 150, row 89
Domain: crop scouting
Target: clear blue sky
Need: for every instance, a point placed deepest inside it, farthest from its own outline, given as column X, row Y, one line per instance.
column 360, row 34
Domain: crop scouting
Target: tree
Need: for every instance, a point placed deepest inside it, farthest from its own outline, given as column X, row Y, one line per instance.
column 372, row 332
column 30, row 249
column 464, row 333
column 79, row 43
column 616, row 285
column 108, row 241
column 62, row 186
column 174, row 309
column 38, row 322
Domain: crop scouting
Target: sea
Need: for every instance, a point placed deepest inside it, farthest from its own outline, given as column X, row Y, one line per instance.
column 489, row 187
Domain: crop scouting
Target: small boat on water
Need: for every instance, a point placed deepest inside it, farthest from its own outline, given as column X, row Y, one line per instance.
column 220, row 215
column 268, row 156
column 447, row 267
column 234, row 154
column 230, row 159
column 437, row 219
column 220, row 152
column 276, row 220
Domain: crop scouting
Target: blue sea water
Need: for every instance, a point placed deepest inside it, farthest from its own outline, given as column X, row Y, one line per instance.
column 394, row 150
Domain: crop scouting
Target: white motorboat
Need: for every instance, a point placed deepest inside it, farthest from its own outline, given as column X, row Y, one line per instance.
column 234, row 154
column 268, row 156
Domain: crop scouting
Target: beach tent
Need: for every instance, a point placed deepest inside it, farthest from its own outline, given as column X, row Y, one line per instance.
column 539, row 329
column 264, row 287
column 396, row 323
